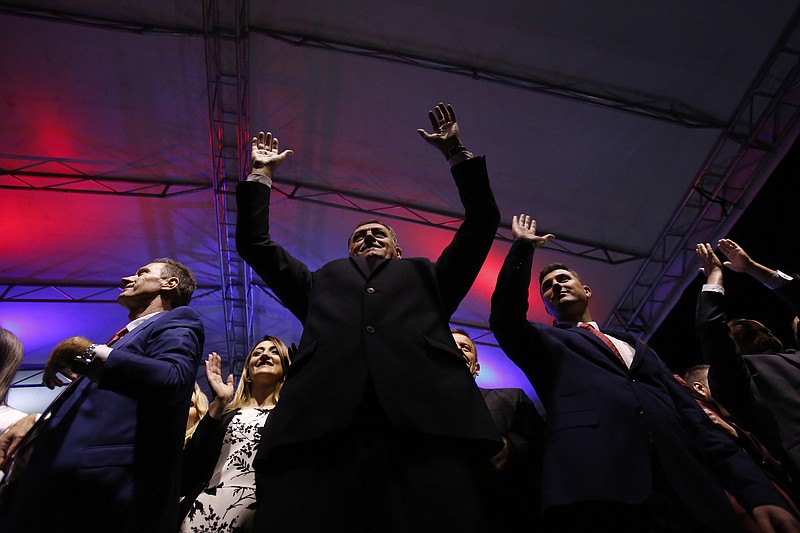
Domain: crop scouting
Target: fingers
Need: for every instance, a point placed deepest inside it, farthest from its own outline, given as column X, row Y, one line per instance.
column 434, row 121
column 440, row 116
column 265, row 141
column 214, row 366
column 524, row 221
column 50, row 376
column 451, row 113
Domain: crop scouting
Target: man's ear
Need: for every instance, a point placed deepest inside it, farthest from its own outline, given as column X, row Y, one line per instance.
column 699, row 388
column 170, row 284
column 588, row 291
column 398, row 253
column 477, row 369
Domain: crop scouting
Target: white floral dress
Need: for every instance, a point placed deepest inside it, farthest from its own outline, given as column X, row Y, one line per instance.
column 228, row 503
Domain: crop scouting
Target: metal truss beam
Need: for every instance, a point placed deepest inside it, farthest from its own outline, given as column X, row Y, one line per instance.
column 78, row 292
column 80, row 176
column 659, row 108
column 762, row 129
column 433, row 217
column 227, row 69
column 656, row 107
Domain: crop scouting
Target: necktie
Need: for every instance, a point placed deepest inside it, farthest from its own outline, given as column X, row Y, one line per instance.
column 117, row 336
column 599, row 334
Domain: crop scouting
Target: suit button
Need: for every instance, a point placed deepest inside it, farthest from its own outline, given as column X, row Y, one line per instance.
column 370, row 290
column 370, row 329
column 639, row 411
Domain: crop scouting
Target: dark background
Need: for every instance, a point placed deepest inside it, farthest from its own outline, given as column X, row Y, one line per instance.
column 767, row 231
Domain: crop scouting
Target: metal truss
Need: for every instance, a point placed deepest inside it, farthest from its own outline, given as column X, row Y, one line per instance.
column 87, row 177
column 432, row 217
column 651, row 106
column 760, row 133
column 227, row 67
column 78, row 292
column 659, row 108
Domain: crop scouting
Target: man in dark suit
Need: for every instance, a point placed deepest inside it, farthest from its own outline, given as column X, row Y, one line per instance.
column 378, row 417
column 626, row 446
column 509, row 484
column 750, row 372
column 107, row 458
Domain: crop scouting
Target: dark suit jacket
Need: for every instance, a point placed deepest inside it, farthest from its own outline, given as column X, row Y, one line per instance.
column 109, row 458
column 761, row 390
column 606, row 424
column 388, row 327
column 513, row 496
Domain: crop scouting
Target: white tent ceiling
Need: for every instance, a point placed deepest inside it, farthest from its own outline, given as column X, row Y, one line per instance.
column 596, row 117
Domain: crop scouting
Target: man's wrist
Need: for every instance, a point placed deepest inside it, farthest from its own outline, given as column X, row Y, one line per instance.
column 457, row 154
column 261, row 175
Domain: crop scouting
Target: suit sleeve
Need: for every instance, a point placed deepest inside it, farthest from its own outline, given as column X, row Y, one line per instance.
column 508, row 319
column 728, row 375
column 165, row 365
column 459, row 264
column 288, row 277
column 526, row 432
column 790, row 294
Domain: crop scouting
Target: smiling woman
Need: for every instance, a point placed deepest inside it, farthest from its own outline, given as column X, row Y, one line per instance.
column 218, row 481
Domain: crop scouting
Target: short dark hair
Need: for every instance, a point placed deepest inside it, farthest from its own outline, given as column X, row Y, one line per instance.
column 696, row 373
column 374, row 221
column 557, row 266
column 187, row 283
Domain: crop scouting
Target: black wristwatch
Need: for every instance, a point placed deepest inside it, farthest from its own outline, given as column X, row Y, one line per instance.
column 84, row 360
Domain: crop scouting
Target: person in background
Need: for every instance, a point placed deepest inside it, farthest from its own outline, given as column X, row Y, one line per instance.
column 751, row 373
column 218, row 479
column 509, row 484
column 10, row 358
column 198, row 407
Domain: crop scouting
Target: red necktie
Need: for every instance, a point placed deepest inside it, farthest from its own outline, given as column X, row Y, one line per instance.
column 599, row 334
column 117, row 336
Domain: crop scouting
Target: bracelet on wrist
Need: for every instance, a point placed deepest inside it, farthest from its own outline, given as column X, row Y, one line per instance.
column 455, row 150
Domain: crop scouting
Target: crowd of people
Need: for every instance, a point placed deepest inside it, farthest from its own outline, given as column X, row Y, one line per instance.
column 374, row 423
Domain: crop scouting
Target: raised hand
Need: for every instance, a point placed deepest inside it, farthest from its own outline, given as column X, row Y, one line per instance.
column 222, row 389
column 709, row 260
column 265, row 155
column 523, row 227
column 738, row 260
column 445, row 135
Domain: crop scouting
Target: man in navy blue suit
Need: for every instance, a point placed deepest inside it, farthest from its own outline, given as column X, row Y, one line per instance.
column 626, row 446
column 107, row 458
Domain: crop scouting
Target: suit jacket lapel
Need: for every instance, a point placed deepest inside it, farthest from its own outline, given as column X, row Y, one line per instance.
column 639, row 348
column 361, row 264
column 136, row 331
column 598, row 343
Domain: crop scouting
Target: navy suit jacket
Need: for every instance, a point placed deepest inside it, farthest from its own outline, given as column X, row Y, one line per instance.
column 606, row 424
column 761, row 390
column 388, row 327
column 109, row 458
